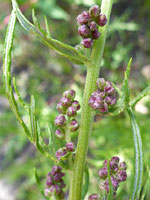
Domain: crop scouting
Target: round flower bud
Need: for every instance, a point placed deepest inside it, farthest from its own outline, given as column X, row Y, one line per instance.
column 60, row 120
column 122, row 166
column 105, row 163
column 101, row 20
column 74, row 125
column 76, row 104
column 70, row 147
column 115, row 183
column 115, row 159
column 94, row 11
column 87, row 42
column 95, row 102
column 56, row 169
column 93, row 197
column 58, row 176
column 95, row 34
column 66, row 102
column 121, row 175
column 109, row 100
column 49, row 181
column 83, row 18
column 93, row 26
column 113, row 166
column 69, row 94
column 103, row 173
column 84, row 31
column 71, row 111
column 103, row 108
column 60, row 134
column 47, row 192
column 61, row 153
column 61, row 108
column 55, row 189
column 101, row 83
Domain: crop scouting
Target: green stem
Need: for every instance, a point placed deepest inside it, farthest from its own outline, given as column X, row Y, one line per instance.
column 87, row 115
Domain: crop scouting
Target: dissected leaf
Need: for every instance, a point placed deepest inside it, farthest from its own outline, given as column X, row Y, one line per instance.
column 61, row 48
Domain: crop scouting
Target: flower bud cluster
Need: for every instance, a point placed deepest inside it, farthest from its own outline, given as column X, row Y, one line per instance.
column 55, row 183
column 63, row 152
column 67, row 107
column 104, row 97
column 117, row 173
column 89, row 23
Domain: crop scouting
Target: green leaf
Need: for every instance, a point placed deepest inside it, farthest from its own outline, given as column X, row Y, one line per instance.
column 61, row 48
column 124, row 93
column 145, row 183
column 19, row 96
column 7, row 71
column 47, row 28
column 110, row 194
column 86, row 183
column 142, row 94
column 33, row 121
column 138, row 155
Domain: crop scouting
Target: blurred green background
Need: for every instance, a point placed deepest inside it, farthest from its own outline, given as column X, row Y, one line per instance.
column 43, row 73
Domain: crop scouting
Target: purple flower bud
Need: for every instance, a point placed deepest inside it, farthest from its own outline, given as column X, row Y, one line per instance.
column 113, row 166
column 93, row 197
column 58, row 176
column 61, row 108
column 76, row 104
column 60, row 134
column 103, row 108
column 74, row 125
column 69, row 94
column 103, row 173
column 95, row 102
column 94, row 11
column 61, row 184
column 115, row 183
column 47, row 192
column 71, row 111
column 105, row 163
column 93, row 26
column 115, row 159
column 121, row 175
column 83, row 18
column 95, row 34
column 123, row 166
column 55, row 189
column 101, row 20
column 60, row 120
column 49, row 181
column 111, row 91
column 70, row 147
column 87, row 42
column 66, row 102
column 61, row 153
column 84, row 31
column 56, row 169
column 109, row 100
column 101, row 83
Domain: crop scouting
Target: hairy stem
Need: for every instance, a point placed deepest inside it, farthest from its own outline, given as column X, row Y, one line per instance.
column 87, row 115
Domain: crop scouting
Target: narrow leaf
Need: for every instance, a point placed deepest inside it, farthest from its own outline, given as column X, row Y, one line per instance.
column 145, row 183
column 110, row 194
column 86, row 183
column 51, row 144
column 19, row 96
column 47, row 28
column 61, row 48
column 7, row 71
column 142, row 94
column 33, row 120
column 138, row 155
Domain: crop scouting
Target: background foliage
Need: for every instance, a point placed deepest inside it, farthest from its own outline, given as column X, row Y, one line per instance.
column 41, row 72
